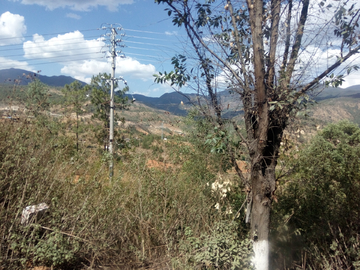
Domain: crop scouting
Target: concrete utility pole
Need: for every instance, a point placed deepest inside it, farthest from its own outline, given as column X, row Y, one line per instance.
column 111, row 136
column 113, row 53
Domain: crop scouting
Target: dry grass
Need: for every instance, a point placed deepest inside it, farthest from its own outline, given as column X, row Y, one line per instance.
column 135, row 221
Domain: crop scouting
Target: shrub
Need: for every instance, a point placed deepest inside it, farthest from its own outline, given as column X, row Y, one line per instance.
column 317, row 210
column 220, row 248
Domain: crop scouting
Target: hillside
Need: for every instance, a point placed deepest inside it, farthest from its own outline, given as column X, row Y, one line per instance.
column 176, row 103
column 23, row 77
column 332, row 104
column 336, row 109
column 158, row 185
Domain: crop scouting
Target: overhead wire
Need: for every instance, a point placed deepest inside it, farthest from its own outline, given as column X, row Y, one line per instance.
column 27, row 54
column 60, row 56
column 149, row 38
column 146, row 55
column 45, row 44
column 82, row 40
column 50, row 34
column 37, row 43
column 61, row 61
column 142, row 31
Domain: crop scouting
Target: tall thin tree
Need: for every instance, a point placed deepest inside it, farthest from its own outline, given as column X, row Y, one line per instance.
column 74, row 100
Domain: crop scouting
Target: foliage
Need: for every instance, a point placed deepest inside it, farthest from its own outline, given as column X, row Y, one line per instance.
column 148, row 140
column 317, row 209
column 50, row 249
column 178, row 76
column 221, row 248
column 37, row 95
column 75, row 97
column 74, row 101
column 100, row 99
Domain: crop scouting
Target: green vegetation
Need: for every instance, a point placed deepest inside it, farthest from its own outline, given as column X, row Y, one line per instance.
column 100, row 88
column 317, row 217
column 74, row 101
column 174, row 204
column 143, row 217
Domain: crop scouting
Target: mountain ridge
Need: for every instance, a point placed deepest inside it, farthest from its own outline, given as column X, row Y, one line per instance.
column 23, row 77
column 176, row 103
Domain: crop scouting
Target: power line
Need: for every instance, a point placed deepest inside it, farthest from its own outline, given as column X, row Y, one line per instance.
column 146, row 55
column 36, row 45
column 60, row 56
column 27, row 54
column 55, row 62
column 149, row 38
column 147, row 49
column 144, row 43
column 142, row 31
column 45, row 44
column 87, row 30
column 74, row 55
column 47, row 41
column 50, row 34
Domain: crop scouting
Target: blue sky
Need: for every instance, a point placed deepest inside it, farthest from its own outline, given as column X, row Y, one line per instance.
column 62, row 37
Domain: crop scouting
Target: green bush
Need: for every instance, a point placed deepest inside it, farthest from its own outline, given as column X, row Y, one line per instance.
column 221, row 248
column 147, row 141
column 318, row 213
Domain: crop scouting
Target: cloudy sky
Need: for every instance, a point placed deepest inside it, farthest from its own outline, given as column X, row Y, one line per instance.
column 65, row 37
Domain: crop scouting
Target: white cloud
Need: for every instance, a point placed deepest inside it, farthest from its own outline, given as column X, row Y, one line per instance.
column 313, row 61
column 73, row 16
column 76, row 54
column 172, row 33
column 84, row 70
column 69, row 46
column 12, row 28
column 128, row 68
column 320, row 46
column 133, row 68
column 352, row 79
column 81, row 5
column 154, row 90
column 9, row 63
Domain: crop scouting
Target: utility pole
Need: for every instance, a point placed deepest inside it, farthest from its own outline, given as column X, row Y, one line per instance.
column 111, row 135
column 113, row 54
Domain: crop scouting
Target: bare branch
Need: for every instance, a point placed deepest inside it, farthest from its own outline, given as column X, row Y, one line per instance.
column 287, row 37
column 327, row 71
column 297, row 44
column 275, row 18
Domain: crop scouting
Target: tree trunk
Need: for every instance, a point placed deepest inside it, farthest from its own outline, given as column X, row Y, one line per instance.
column 262, row 188
column 263, row 179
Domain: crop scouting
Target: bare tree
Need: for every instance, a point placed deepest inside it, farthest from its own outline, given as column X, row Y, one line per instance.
column 265, row 52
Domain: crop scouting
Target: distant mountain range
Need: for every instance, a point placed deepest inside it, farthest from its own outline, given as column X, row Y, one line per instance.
column 175, row 103
column 23, row 77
